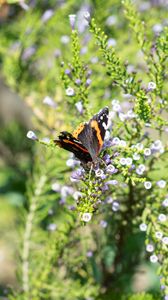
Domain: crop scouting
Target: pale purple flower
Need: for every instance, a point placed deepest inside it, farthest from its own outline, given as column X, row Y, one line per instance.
column 24, row 5
column 147, row 185
column 161, row 184
column 87, row 16
column 151, row 86
column 150, row 248
column 70, row 162
column 70, row 91
column 84, row 50
column 103, row 223
column 76, row 176
column 110, row 169
column 165, row 202
column 115, row 206
column 122, row 143
column 86, row 217
column 147, row 152
column 111, row 42
column 123, row 161
column 143, row 227
column 89, row 253
column 46, row 140
column 78, row 81
column 162, row 217
column 47, row 15
column 128, row 161
column 166, row 297
column 94, row 60
column 109, row 199
column 32, row 136
column 158, row 235
column 111, row 20
column 136, row 156
column 49, row 101
column 28, row 52
column 157, row 28
column 52, row 227
column 153, row 258
column 99, row 173
column 112, row 182
column 165, row 240
column 72, row 20
column 139, row 146
column 88, row 82
column 140, row 170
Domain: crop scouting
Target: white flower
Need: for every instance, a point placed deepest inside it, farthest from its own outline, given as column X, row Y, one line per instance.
column 140, row 170
column 149, row 248
column 161, row 183
column 139, row 146
column 115, row 101
column 147, row 151
column 31, row 135
column 86, row 217
column 115, row 206
column 166, row 297
column 49, row 101
column 165, row 202
column 162, row 218
column 77, row 195
column 65, row 39
column 136, row 156
column 111, row 42
column 110, row 169
column 55, row 187
column 147, row 185
column 153, row 258
column 158, row 235
column 116, row 141
column 151, row 86
column 122, row 116
column 52, row 227
column 99, row 173
column 143, row 227
column 70, row 91
column 165, row 240
column 87, row 16
column 122, row 143
column 123, row 161
column 103, row 223
column 128, row 161
column 70, row 162
column 157, row 28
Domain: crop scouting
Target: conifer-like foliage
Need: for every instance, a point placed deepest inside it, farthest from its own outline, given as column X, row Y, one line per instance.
column 89, row 232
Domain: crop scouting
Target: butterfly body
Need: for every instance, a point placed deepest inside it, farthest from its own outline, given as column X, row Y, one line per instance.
column 87, row 140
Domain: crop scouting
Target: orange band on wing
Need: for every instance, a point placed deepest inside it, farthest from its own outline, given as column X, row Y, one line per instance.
column 77, row 146
column 94, row 125
column 78, row 131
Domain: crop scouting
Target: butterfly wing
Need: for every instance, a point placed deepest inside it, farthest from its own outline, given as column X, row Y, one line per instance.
column 70, row 143
column 91, row 134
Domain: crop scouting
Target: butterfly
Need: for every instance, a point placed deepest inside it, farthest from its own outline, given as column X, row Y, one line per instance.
column 87, row 140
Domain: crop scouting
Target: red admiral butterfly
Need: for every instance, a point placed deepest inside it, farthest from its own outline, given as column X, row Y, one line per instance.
column 87, row 140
